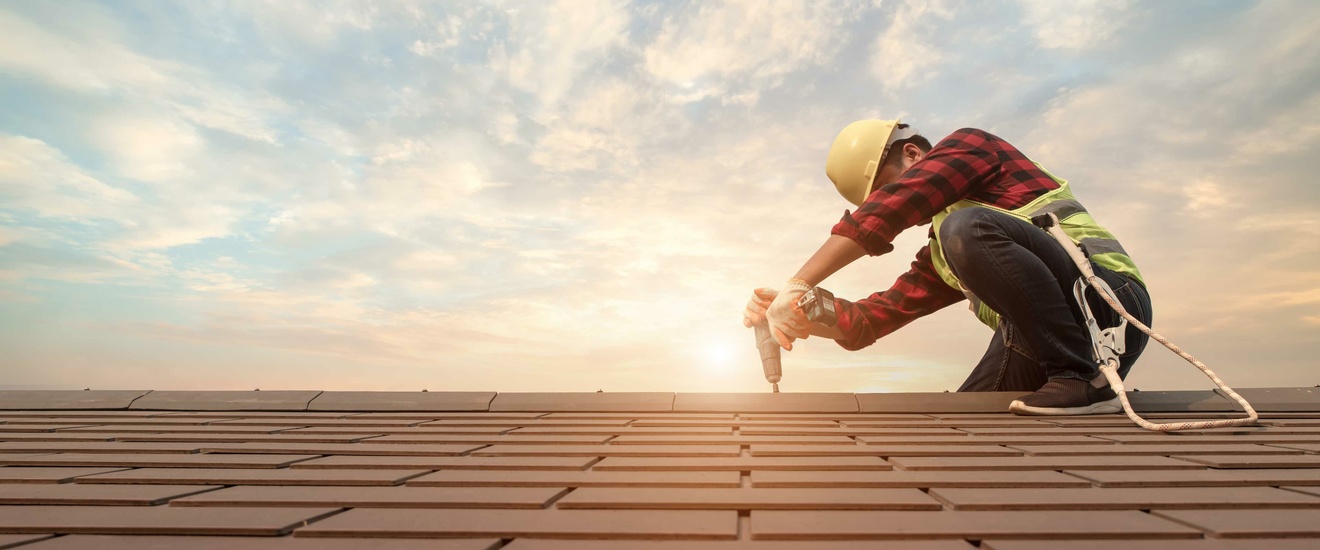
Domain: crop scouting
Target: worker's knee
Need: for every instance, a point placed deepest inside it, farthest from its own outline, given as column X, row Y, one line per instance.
column 961, row 233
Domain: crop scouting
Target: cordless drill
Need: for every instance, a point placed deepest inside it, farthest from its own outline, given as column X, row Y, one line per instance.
column 818, row 304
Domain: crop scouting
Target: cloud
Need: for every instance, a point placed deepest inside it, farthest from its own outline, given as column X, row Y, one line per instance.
column 905, row 54
column 721, row 44
column 552, row 44
column 1076, row 25
column 41, row 179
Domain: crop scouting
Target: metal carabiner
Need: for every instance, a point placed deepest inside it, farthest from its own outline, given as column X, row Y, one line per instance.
column 1106, row 344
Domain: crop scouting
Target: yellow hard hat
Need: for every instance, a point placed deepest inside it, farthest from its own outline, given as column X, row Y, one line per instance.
column 858, row 153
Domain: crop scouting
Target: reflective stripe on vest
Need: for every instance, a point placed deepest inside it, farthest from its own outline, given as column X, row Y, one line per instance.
column 1100, row 245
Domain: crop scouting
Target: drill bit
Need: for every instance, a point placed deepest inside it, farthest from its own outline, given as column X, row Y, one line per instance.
column 774, row 386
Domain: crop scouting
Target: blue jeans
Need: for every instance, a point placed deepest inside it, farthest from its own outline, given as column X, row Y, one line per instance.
column 1021, row 272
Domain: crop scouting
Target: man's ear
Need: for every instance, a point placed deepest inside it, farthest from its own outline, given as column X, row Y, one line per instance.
column 912, row 152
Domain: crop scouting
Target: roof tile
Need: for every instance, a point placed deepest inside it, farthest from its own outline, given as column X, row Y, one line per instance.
column 17, row 474
column 1142, row 498
column 742, row 463
column 1253, row 461
column 96, row 495
column 482, row 478
column 883, row 450
column 1206, row 544
column 164, row 520
column 1249, row 523
column 377, row 497
column 1200, row 478
column 401, row 449
column 994, row 463
column 157, row 542
column 749, row 499
column 225, row 400
column 447, row 463
column 401, row 401
column 611, row 524
column 281, row 476
column 156, row 460
column 766, row 402
column 609, row 450
column 11, row 541
column 546, row 544
column 972, row 525
column 68, row 400
column 898, row 478
column 584, row 402
column 982, row 402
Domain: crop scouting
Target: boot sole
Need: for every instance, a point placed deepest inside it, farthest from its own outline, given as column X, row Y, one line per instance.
column 1103, row 407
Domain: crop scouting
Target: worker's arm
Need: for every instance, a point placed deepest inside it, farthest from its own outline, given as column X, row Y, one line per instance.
column 917, row 293
column 837, row 252
column 833, row 333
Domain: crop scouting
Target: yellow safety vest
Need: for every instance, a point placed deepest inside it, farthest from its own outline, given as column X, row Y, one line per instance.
column 1100, row 245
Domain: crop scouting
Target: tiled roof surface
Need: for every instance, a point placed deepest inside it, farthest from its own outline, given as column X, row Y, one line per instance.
column 480, row 470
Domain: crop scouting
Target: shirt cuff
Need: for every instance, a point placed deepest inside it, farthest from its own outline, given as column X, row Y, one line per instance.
column 856, row 329
column 848, row 227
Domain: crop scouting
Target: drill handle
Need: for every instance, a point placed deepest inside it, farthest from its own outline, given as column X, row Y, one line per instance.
column 769, row 348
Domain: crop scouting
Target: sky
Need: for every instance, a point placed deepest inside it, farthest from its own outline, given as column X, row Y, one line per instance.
column 580, row 195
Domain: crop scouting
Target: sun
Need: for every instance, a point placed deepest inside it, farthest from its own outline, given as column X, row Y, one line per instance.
column 718, row 356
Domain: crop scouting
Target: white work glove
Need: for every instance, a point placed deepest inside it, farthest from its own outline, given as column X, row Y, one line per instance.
column 787, row 321
column 754, row 314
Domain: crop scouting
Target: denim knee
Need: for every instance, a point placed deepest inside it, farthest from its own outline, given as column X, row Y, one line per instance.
column 958, row 235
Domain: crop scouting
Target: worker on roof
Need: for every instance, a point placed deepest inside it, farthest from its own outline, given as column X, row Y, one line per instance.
column 979, row 193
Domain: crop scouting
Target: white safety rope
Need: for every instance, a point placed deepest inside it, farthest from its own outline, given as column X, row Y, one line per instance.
column 1109, row 366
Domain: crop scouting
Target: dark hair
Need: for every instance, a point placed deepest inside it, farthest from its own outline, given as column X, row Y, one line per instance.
column 896, row 148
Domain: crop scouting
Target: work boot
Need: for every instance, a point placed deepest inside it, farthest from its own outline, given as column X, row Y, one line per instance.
column 1067, row 396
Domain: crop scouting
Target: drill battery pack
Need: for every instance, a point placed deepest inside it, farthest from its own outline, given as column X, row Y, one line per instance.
column 818, row 304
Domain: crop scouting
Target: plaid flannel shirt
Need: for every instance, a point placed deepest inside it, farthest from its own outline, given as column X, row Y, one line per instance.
column 968, row 164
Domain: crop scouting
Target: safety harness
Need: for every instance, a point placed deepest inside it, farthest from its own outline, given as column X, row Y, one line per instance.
column 1109, row 343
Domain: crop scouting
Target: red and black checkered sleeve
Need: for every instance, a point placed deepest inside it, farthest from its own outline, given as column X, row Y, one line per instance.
column 915, row 294
column 954, row 168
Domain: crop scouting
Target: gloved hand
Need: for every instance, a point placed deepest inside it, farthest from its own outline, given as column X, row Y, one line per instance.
column 787, row 321
column 755, row 311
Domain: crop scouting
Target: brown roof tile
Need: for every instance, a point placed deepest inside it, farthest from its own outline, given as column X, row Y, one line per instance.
column 601, row 524
column 1249, row 523
column 157, row 542
column 994, row 463
column 583, row 402
column 96, row 495
column 11, row 541
column 155, row 520
column 748, row 499
column 767, row 525
column 487, row 478
column 68, row 400
column 896, row 478
column 377, row 497
column 447, row 463
column 1143, row 498
column 159, row 460
column 17, row 474
column 281, row 476
column 766, row 402
column 225, row 400
column 400, row 401
column 548, row 544
column 742, row 463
